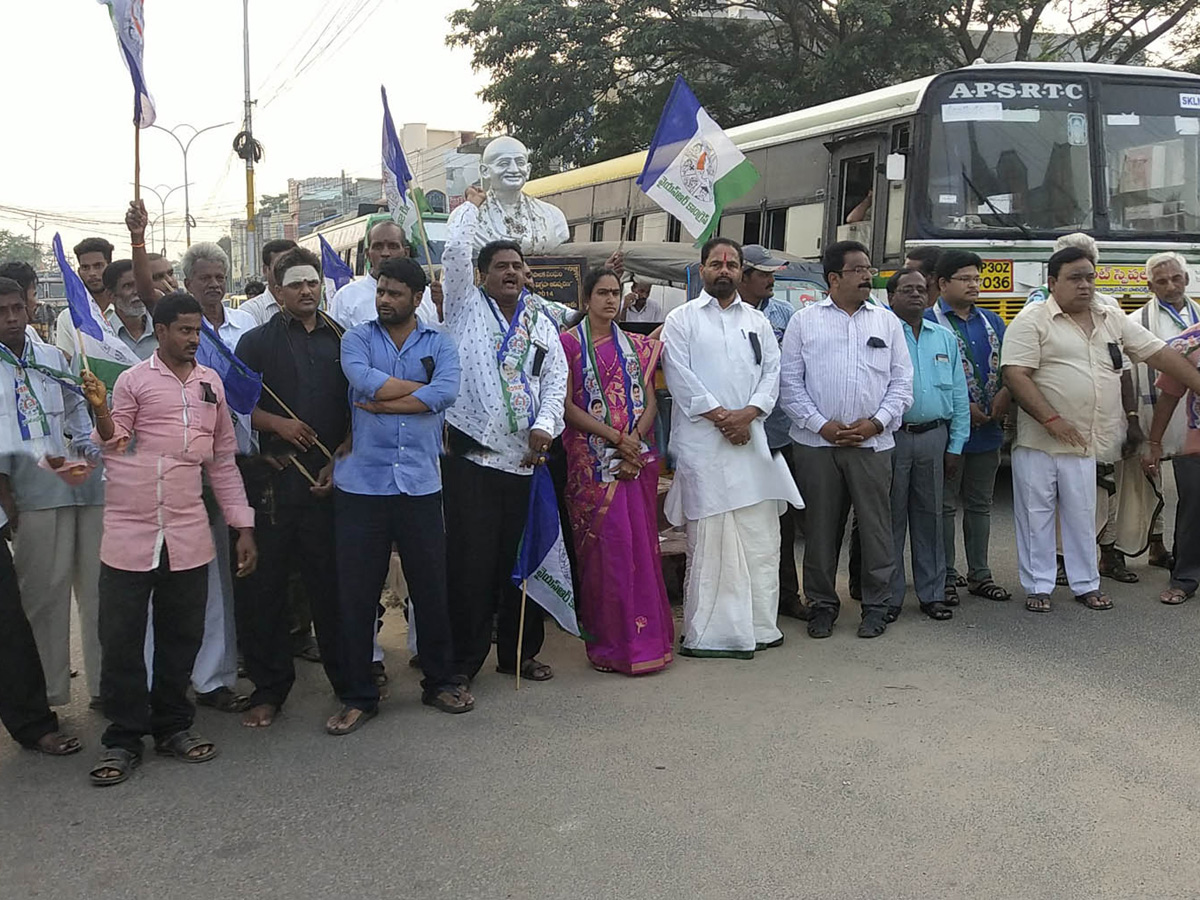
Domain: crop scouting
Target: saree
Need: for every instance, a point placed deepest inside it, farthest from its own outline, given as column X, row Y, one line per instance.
column 623, row 606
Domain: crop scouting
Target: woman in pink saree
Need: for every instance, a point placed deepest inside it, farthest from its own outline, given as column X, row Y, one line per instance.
column 612, row 486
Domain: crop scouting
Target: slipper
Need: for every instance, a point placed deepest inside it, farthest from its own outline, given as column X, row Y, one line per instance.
column 531, row 669
column 366, row 716
column 1038, row 603
column 937, row 611
column 1174, row 596
column 223, row 700
column 450, row 698
column 181, row 744
column 1094, row 600
column 989, row 590
column 119, row 760
column 64, row 746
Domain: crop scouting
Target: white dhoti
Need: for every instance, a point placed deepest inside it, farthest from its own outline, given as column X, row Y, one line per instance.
column 731, row 591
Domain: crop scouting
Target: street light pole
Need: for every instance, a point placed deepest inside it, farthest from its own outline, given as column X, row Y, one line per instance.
column 187, row 206
column 162, row 199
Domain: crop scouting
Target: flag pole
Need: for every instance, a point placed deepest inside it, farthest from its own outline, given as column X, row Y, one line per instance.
column 137, row 162
column 628, row 216
column 424, row 235
column 83, row 360
column 521, row 629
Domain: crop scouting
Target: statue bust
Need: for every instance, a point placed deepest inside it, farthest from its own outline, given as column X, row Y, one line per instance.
column 509, row 214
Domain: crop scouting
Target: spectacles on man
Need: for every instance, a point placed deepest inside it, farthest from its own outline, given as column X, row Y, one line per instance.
column 913, row 290
column 966, row 279
column 859, row 270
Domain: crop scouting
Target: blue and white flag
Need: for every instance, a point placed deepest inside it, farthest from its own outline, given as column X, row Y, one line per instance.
column 336, row 272
column 242, row 384
column 396, row 173
column 542, row 559
column 106, row 354
column 129, row 22
column 693, row 170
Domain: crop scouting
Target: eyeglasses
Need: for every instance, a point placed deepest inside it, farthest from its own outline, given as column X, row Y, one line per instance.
column 913, row 290
column 859, row 270
column 966, row 279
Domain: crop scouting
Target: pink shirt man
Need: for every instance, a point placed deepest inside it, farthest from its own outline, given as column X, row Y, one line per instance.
column 165, row 432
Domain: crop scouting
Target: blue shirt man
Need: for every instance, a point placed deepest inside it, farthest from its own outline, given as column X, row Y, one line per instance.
column 980, row 334
column 928, row 445
column 403, row 375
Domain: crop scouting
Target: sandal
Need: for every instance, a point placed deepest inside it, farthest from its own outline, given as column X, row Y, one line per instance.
column 1173, row 596
column 1060, row 574
column 183, row 746
column 959, row 580
column 950, row 598
column 937, row 611
column 115, row 760
column 364, row 716
column 1039, row 603
column 1094, row 600
column 450, row 698
column 989, row 590
column 1112, row 565
column 531, row 669
column 223, row 700
column 55, row 743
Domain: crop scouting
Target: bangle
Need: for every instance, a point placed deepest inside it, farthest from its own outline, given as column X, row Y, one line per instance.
column 103, row 415
column 1051, row 419
column 141, row 246
column 1155, row 443
column 1131, row 414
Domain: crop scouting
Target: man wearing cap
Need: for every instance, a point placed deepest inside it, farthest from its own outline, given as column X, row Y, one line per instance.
column 757, row 289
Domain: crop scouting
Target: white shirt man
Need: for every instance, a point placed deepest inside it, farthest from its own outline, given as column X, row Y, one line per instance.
column 845, row 383
column 1167, row 314
column 647, row 308
column 722, row 366
column 509, row 408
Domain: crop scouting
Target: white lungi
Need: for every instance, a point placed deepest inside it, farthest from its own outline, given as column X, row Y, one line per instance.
column 731, row 590
column 1045, row 484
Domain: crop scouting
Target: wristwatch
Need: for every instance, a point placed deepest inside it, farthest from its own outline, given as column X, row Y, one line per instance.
column 878, row 425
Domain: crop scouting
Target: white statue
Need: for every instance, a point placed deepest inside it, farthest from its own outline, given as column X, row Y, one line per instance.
column 509, row 214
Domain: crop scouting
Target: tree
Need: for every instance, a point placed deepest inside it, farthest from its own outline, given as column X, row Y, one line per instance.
column 583, row 80
column 18, row 248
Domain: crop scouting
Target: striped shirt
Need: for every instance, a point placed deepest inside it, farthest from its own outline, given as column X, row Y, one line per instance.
column 845, row 368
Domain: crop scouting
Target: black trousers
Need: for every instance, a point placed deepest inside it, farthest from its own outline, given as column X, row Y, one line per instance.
column 291, row 538
column 179, row 600
column 789, row 579
column 23, row 707
column 485, row 517
column 367, row 526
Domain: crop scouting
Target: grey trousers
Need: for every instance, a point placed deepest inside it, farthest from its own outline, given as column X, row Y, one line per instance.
column 832, row 480
column 918, row 470
column 974, row 486
column 1186, row 574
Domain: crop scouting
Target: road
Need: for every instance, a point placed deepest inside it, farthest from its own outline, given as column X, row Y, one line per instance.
column 999, row 755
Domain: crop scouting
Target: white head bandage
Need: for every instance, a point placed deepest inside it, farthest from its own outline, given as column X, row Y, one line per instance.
column 297, row 274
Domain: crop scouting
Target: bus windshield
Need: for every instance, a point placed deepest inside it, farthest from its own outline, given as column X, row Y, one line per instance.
column 1152, row 157
column 1009, row 155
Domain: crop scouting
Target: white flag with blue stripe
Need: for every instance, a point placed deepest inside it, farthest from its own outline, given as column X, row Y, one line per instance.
column 542, row 561
column 129, row 22
column 396, row 173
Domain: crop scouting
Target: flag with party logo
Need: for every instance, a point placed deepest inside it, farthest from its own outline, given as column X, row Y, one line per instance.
column 693, row 170
column 543, row 565
column 129, row 22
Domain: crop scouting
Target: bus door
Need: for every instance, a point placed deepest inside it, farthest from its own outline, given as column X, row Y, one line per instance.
column 857, row 191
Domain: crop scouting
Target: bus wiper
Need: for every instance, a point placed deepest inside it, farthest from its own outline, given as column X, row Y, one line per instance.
column 1005, row 218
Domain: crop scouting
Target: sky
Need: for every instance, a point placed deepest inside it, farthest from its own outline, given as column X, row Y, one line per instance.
column 74, row 160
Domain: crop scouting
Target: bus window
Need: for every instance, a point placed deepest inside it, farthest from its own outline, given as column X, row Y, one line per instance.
column 858, row 181
column 752, row 228
column 598, row 231
column 1017, row 162
column 674, row 230
column 776, row 231
column 1152, row 150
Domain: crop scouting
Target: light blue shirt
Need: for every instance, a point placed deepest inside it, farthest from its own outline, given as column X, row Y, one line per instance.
column 778, row 313
column 396, row 454
column 939, row 383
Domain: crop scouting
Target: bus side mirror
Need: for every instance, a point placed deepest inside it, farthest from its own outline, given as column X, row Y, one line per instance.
column 895, row 163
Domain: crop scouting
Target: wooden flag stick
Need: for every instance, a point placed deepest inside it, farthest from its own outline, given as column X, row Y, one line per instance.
column 303, row 471
column 521, row 629
column 628, row 216
column 83, row 360
column 137, row 156
column 288, row 410
column 424, row 237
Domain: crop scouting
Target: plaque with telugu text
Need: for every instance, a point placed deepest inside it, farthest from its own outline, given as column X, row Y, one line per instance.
column 559, row 278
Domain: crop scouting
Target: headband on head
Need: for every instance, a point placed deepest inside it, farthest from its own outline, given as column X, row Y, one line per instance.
column 299, row 273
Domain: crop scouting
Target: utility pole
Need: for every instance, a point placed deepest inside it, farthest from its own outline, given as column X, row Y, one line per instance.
column 35, row 226
column 252, row 266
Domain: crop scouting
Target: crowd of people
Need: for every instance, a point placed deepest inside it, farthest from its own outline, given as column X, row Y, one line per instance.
column 406, row 417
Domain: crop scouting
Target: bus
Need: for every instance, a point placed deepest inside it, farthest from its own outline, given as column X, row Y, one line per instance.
column 348, row 240
column 1000, row 159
